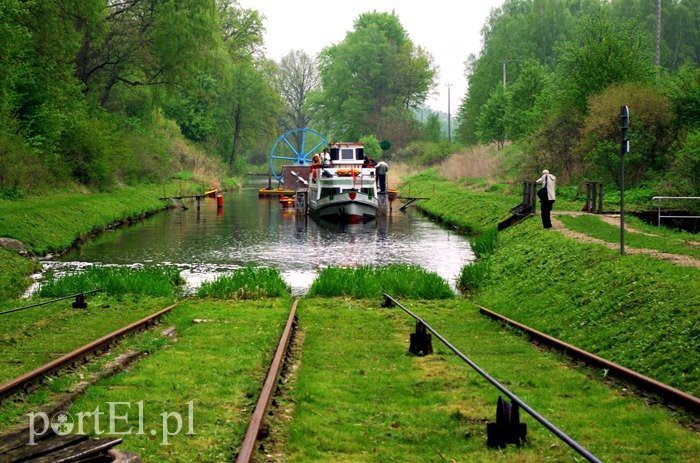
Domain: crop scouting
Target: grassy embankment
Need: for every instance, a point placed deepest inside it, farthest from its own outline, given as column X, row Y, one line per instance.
column 56, row 222
column 358, row 396
column 635, row 310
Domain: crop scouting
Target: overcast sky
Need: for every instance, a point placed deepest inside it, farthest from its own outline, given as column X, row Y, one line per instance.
column 449, row 29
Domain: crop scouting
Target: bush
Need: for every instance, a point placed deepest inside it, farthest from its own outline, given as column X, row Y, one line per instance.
column 650, row 132
column 149, row 281
column 372, row 148
column 399, row 280
column 683, row 177
column 427, row 153
column 246, row 283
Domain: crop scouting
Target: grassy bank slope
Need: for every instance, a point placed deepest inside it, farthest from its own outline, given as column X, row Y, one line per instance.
column 361, row 398
column 14, row 273
column 635, row 310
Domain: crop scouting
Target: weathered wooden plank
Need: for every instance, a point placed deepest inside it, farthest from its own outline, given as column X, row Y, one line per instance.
column 44, row 447
column 20, row 438
column 80, row 452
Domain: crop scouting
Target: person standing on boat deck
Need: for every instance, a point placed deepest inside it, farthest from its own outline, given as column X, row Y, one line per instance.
column 547, row 195
column 326, row 157
column 382, row 168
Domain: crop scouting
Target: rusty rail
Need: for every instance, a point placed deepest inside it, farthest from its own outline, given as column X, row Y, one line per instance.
column 665, row 391
column 99, row 345
column 245, row 455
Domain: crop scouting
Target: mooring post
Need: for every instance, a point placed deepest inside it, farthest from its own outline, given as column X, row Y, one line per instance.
column 388, row 302
column 507, row 429
column 421, row 342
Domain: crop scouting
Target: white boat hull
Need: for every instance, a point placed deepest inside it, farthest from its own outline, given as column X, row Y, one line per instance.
column 342, row 208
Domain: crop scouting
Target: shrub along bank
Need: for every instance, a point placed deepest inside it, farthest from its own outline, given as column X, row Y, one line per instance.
column 635, row 310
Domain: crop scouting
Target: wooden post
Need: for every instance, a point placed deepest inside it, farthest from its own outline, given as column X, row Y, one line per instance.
column 600, row 198
column 421, row 342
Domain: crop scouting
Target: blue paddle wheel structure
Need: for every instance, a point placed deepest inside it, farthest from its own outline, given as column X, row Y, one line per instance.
column 296, row 147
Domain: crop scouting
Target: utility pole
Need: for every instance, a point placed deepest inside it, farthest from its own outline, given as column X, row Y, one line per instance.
column 657, row 58
column 449, row 115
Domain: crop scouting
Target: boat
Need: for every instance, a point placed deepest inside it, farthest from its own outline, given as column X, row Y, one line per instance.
column 346, row 189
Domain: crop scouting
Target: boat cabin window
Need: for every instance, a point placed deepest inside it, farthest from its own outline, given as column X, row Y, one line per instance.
column 335, row 154
column 347, row 154
column 360, row 154
column 326, row 192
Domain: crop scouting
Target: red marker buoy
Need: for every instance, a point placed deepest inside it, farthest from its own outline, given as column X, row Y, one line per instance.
column 219, row 201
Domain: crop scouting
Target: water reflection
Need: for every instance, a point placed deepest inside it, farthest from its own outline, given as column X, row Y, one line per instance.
column 205, row 242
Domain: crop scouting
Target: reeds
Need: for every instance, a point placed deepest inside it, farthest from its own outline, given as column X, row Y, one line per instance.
column 481, row 161
column 399, row 280
column 149, row 281
column 485, row 243
column 246, row 283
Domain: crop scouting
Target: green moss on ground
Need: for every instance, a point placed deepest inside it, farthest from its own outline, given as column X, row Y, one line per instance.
column 362, row 398
column 14, row 273
column 635, row 310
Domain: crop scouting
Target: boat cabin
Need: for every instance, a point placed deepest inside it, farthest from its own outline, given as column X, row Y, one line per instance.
column 347, row 153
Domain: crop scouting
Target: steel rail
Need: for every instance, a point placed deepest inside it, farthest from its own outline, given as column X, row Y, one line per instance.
column 539, row 418
column 97, row 345
column 245, row 455
column 679, row 397
column 39, row 304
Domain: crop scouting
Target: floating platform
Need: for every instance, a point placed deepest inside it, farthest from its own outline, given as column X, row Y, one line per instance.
column 267, row 192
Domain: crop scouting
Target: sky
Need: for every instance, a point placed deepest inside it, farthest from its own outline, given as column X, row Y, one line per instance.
column 449, row 29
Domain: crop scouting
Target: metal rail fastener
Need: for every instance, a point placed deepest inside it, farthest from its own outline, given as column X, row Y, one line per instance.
column 539, row 418
column 39, row 304
column 251, row 436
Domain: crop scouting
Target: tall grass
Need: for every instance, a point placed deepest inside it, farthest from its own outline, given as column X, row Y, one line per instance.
column 485, row 243
column 473, row 276
column 481, row 161
column 399, row 280
column 246, row 283
column 149, row 281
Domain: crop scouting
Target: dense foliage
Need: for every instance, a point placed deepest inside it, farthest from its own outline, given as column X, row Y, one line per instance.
column 87, row 89
column 568, row 67
column 372, row 80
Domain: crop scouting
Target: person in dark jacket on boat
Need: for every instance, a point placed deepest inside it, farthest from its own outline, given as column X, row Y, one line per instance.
column 382, row 168
column 547, row 195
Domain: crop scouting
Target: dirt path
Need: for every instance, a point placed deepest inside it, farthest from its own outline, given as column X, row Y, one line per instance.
column 677, row 259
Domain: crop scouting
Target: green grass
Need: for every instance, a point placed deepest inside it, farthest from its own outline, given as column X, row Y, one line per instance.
column 399, row 280
column 149, row 281
column 595, row 227
column 635, row 310
column 362, row 398
column 33, row 337
column 53, row 223
column 220, row 364
column 246, row 283
column 14, row 273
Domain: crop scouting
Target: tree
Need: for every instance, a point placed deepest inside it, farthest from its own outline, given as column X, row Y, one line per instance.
column 433, row 127
column 375, row 73
column 602, row 53
column 492, row 120
column 527, row 100
column 296, row 77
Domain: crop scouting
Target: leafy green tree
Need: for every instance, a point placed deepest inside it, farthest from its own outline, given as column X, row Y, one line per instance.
column 374, row 74
column 372, row 148
column 527, row 100
column 492, row 120
column 433, row 127
column 602, row 53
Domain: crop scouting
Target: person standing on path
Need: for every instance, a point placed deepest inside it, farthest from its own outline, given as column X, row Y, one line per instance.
column 547, row 195
column 381, row 169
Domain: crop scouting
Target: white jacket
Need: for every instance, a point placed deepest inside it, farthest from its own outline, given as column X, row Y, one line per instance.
column 550, row 181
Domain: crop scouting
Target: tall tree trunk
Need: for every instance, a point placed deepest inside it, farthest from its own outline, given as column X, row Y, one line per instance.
column 236, row 137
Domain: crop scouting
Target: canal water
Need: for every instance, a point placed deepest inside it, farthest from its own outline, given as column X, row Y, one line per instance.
column 250, row 230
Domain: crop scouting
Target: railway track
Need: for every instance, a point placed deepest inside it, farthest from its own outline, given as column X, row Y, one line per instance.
column 666, row 392
column 255, row 426
column 27, row 380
